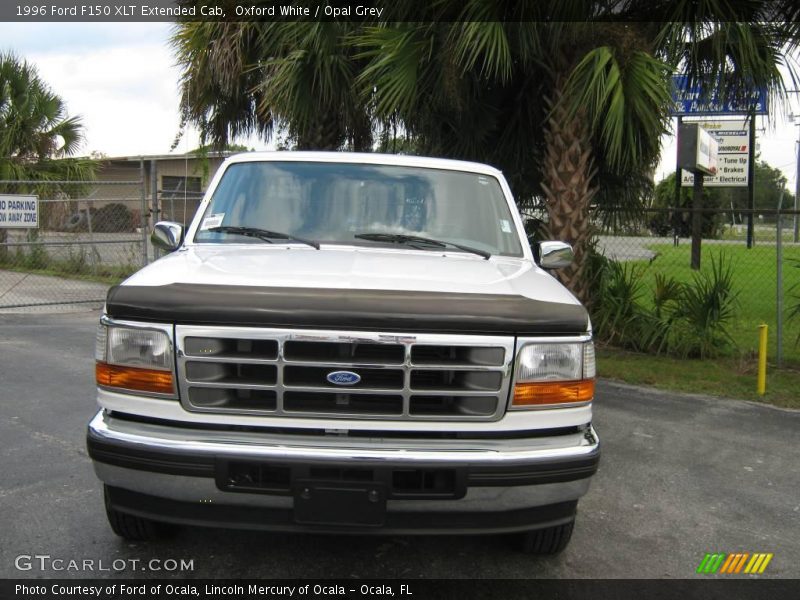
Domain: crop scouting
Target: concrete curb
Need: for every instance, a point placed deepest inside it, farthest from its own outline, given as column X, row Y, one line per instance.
column 688, row 395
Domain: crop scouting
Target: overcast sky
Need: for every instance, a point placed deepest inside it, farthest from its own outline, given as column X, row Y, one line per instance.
column 121, row 78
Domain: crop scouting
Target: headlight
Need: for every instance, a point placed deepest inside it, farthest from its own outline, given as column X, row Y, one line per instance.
column 134, row 359
column 554, row 374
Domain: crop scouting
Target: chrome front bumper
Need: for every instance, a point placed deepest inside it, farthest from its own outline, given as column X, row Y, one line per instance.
column 172, row 473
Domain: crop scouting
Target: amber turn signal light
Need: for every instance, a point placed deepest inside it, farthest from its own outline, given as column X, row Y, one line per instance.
column 134, row 378
column 541, row 393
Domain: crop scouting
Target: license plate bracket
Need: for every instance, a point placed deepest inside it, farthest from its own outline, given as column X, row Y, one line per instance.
column 339, row 503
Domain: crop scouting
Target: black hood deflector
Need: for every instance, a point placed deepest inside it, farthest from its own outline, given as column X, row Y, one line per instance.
column 347, row 309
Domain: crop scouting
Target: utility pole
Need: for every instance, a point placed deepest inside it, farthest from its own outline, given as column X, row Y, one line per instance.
column 796, row 223
column 697, row 219
column 751, row 184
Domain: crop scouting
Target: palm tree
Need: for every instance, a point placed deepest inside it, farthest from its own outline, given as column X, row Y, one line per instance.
column 617, row 82
column 221, row 73
column 494, row 98
column 605, row 89
column 241, row 78
column 570, row 106
column 37, row 137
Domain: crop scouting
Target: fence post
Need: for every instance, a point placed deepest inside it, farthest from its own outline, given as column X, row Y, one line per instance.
column 795, row 223
column 154, row 195
column 751, row 183
column 677, row 197
column 779, row 290
column 95, row 255
column 143, row 211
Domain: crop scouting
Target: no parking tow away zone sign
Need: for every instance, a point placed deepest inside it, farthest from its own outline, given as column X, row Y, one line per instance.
column 19, row 211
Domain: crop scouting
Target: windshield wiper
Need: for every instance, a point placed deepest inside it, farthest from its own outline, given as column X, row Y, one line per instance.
column 262, row 234
column 411, row 240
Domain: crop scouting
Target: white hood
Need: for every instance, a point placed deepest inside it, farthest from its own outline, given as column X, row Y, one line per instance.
column 339, row 267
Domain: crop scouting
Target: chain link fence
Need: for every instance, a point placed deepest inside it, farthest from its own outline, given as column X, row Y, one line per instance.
column 655, row 246
column 90, row 234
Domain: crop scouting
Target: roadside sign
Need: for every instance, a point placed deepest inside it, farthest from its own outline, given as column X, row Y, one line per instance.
column 697, row 149
column 689, row 101
column 19, row 211
column 733, row 154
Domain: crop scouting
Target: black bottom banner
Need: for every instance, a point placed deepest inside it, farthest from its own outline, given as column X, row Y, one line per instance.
column 415, row 589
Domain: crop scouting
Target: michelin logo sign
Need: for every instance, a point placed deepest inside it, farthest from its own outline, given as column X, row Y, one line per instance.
column 19, row 211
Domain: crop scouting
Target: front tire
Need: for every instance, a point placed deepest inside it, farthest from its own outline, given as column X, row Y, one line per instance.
column 549, row 541
column 133, row 528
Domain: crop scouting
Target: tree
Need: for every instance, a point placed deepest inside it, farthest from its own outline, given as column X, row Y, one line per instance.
column 605, row 88
column 770, row 187
column 665, row 223
column 568, row 98
column 35, row 131
column 241, row 78
column 37, row 137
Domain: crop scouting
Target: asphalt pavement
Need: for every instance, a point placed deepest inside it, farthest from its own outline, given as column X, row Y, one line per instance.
column 680, row 476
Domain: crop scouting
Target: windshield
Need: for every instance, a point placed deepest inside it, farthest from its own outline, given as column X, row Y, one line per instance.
column 338, row 202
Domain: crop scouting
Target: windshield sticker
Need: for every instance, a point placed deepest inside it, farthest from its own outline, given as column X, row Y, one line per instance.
column 212, row 221
column 505, row 226
column 483, row 180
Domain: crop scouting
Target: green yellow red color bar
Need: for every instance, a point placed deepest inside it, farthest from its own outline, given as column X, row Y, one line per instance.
column 737, row 562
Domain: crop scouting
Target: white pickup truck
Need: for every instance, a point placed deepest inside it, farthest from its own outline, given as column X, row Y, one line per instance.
column 347, row 342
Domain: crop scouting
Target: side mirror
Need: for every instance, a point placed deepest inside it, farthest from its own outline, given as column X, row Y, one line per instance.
column 167, row 235
column 555, row 255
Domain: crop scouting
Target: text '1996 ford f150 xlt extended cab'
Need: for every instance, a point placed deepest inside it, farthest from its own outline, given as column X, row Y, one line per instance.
column 347, row 343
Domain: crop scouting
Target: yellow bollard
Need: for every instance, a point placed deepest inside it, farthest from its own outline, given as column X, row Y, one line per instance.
column 762, row 359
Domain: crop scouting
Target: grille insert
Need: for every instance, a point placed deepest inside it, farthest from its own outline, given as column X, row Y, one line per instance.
column 454, row 406
column 457, row 355
column 342, row 403
column 317, row 377
column 345, row 353
column 231, row 348
column 231, row 373
column 233, row 398
column 456, row 380
column 281, row 372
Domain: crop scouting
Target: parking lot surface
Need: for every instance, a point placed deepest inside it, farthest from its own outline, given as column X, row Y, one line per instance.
column 680, row 476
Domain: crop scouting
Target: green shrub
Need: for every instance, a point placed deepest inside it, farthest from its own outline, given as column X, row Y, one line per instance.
column 794, row 309
column 617, row 316
column 75, row 263
column 703, row 313
column 681, row 319
column 35, row 258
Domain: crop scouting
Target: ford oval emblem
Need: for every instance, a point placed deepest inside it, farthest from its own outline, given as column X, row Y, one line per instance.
column 343, row 377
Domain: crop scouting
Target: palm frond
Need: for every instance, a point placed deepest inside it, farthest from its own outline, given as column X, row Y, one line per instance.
column 625, row 102
column 485, row 43
column 396, row 60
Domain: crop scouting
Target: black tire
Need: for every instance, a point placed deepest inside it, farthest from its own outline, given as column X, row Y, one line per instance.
column 75, row 221
column 550, row 541
column 133, row 528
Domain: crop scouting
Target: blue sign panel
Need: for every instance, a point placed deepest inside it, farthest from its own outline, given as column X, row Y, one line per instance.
column 690, row 101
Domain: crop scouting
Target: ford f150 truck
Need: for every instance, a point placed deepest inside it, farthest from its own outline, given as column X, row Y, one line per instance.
column 347, row 343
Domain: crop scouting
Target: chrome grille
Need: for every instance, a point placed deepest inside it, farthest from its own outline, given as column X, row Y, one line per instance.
column 278, row 372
